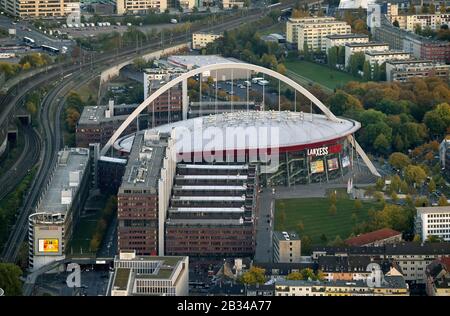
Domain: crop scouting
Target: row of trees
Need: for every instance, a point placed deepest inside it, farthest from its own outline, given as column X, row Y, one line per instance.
column 394, row 116
column 107, row 214
column 256, row 275
column 27, row 62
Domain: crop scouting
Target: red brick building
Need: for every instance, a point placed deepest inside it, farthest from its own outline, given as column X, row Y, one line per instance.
column 437, row 51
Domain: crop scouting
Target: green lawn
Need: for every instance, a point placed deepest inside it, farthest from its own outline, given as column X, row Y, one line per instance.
column 314, row 213
column 321, row 74
column 83, row 234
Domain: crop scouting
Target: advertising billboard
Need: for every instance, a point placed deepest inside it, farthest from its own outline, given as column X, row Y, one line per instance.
column 333, row 164
column 48, row 245
column 317, row 166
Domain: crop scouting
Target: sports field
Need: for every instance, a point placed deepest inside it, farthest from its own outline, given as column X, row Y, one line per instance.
column 314, row 214
column 321, row 74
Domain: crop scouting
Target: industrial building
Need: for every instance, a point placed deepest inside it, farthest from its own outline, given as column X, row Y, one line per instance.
column 52, row 223
column 149, row 275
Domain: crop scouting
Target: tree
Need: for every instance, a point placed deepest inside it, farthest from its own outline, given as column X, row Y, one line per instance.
column 323, row 238
column 415, row 174
column 254, row 276
column 31, row 107
column 431, row 186
column 332, row 210
column 342, row 102
column 306, row 52
column 332, row 56
column 307, row 274
column 332, row 197
column 306, row 244
column 395, row 23
column 358, row 205
column 300, row 227
column 337, row 242
column 394, row 217
column 416, row 238
column 381, row 144
column 438, row 120
column 433, row 239
column 443, row 201
column 367, row 71
column 281, row 69
column 356, row 63
column 10, row 279
column 399, row 160
column 294, row 276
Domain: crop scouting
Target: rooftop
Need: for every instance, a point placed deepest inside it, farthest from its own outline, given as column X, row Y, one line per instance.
column 67, row 176
column 344, row 36
column 145, row 161
column 371, row 237
column 286, row 236
column 388, row 52
column 433, row 209
column 371, row 44
column 121, row 278
column 97, row 114
column 196, row 61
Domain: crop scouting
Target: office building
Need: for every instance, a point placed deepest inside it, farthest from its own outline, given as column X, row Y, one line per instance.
column 140, row 6
column 52, row 223
column 444, row 157
column 98, row 123
column 433, row 221
column 144, row 194
column 286, row 247
column 212, row 210
column 201, row 39
column 149, row 275
column 403, row 70
column 312, row 31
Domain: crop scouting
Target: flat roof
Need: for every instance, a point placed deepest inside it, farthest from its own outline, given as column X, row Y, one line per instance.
column 286, row 236
column 208, row 167
column 353, row 35
column 196, row 61
column 433, row 209
column 210, row 187
column 388, row 52
column 208, row 198
column 96, row 114
column 366, row 44
column 122, row 276
column 69, row 160
column 212, row 176
column 206, row 210
column 144, row 163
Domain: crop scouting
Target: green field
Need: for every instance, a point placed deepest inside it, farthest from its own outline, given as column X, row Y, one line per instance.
column 83, row 234
column 320, row 74
column 316, row 219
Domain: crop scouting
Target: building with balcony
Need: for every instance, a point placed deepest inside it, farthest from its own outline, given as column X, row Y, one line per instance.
column 340, row 40
column 201, row 39
column 353, row 48
column 38, row 9
column 403, row 70
column 140, row 6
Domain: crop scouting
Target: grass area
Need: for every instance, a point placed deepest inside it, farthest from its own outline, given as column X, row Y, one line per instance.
column 279, row 28
column 316, row 219
column 321, row 74
column 83, row 234
column 89, row 90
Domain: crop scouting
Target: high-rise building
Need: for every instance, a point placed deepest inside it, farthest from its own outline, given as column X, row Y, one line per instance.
column 39, row 9
column 144, row 194
column 312, row 31
column 286, row 247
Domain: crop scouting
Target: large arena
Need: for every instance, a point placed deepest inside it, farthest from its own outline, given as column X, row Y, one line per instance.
column 289, row 147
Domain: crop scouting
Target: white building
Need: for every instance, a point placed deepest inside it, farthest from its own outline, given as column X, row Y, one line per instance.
column 149, row 275
column 36, row 8
column 230, row 4
column 342, row 39
column 313, row 30
column 433, row 221
column 376, row 57
column 201, row 39
column 353, row 48
column 424, row 20
column 140, row 6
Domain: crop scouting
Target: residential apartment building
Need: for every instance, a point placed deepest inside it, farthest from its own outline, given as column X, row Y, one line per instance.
column 394, row 285
column 40, row 9
column 149, row 275
column 140, row 6
column 286, row 247
column 353, row 48
column 312, row 31
column 403, row 70
column 425, row 20
column 144, row 194
column 433, row 221
column 201, row 39
column 419, row 46
column 438, row 277
column 412, row 258
column 187, row 4
column 341, row 39
column 376, row 238
column 376, row 57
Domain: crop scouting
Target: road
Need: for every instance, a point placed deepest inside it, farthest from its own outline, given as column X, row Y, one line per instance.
column 51, row 108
